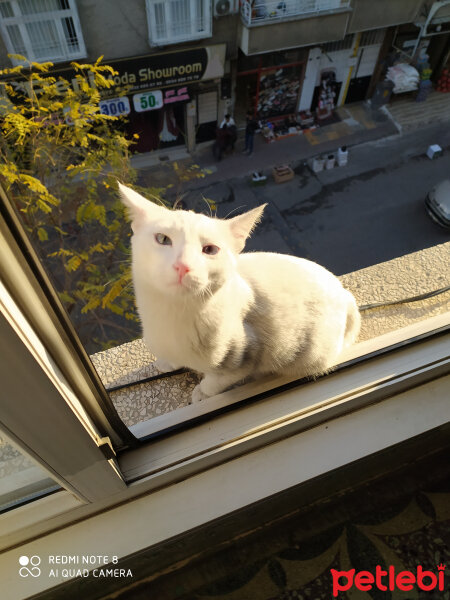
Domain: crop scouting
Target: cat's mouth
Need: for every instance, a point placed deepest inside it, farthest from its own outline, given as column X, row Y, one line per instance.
column 187, row 284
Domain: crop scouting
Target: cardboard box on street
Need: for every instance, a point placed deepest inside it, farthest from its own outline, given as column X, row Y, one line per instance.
column 282, row 173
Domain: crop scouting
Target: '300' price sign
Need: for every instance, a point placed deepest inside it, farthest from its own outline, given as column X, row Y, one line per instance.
column 115, row 106
column 148, row 101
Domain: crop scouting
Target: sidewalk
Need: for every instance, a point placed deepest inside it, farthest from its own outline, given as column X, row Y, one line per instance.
column 358, row 124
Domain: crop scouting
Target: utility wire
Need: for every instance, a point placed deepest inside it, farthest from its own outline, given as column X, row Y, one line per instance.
column 404, row 300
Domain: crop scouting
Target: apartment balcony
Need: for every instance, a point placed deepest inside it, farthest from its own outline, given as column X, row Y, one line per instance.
column 279, row 25
column 257, row 12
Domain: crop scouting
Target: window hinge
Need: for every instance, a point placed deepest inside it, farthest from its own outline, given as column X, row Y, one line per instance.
column 106, row 447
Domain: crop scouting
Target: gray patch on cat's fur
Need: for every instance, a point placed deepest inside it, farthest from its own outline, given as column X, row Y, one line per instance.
column 247, row 355
column 205, row 341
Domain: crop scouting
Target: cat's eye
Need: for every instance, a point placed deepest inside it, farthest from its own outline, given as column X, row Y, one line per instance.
column 210, row 249
column 163, row 239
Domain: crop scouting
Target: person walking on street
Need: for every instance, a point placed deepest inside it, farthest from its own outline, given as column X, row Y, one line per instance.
column 251, row 127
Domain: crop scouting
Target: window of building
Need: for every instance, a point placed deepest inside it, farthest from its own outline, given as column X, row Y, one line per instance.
column 42, row 29
column 177, row 21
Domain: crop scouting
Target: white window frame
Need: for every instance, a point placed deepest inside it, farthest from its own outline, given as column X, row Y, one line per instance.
column 21, row 20
column 169, row 38
column 278, row 435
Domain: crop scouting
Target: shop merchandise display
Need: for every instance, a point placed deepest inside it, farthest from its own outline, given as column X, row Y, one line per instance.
column 404, row 77
column 443, row 83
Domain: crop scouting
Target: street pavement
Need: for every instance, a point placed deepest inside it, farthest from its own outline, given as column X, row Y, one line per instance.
column 345, row 218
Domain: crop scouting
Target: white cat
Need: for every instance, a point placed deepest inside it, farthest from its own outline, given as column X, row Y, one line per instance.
column 205, row 306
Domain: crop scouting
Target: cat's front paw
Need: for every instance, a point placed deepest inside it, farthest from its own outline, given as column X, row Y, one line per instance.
column 163, row 366
column 198, row 395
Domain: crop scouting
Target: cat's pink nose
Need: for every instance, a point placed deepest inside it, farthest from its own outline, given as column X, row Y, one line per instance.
column 181, row 269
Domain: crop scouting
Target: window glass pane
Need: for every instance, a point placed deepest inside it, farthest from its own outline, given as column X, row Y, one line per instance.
column 180, row 17
column 32, row 7
column 6, row 9
column 200, row 24
column 160, row 20
column 44, row 39
column 178, row 20
column 21, row 479
column 16, row 39
column 70, row 35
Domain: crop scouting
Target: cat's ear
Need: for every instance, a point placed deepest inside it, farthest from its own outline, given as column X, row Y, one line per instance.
column 139, row 208
column 242, row 226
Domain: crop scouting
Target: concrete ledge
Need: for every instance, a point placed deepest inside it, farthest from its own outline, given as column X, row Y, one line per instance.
column 403, row 277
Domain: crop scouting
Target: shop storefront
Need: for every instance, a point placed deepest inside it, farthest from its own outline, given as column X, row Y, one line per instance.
column 269, row 84
column 432, row 41
column 340, row 72
column 166, row 97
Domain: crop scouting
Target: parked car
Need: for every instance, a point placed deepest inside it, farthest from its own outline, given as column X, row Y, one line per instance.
column 437, row 203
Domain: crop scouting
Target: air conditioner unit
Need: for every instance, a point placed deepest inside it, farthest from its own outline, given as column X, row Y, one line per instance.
column 225, row 7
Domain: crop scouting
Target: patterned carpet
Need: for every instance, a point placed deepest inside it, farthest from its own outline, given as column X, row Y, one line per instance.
column 394, row 522
column 412, row 533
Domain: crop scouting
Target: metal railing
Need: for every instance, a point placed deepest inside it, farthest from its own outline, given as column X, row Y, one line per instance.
column 262, row 11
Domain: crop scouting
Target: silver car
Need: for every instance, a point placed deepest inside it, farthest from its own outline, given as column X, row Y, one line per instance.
column 437, row 203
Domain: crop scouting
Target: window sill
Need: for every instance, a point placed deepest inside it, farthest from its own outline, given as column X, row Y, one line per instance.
column 272, row 408
column 181, row 40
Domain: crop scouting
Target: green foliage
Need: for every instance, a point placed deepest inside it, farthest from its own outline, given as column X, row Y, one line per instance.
column 60, row 159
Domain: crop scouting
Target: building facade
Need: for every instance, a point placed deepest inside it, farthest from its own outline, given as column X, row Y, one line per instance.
column 182, row 64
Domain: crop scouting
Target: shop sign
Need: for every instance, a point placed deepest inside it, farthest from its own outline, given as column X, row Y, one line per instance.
column 146, row 73
column 115, row 106
column 154, row 100
column 179, row 95
column 148, row 101
column 151, row 72
column 170, row 69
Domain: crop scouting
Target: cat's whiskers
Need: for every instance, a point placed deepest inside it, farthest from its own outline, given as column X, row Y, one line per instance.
column 208, row 205
column 206, row 292
column 234, row 210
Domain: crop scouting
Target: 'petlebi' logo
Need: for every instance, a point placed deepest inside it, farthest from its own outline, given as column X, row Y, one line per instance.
column 29, row 566
column 388, row 580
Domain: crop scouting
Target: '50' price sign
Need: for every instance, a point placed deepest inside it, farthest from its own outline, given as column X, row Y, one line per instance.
column 148, row 101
